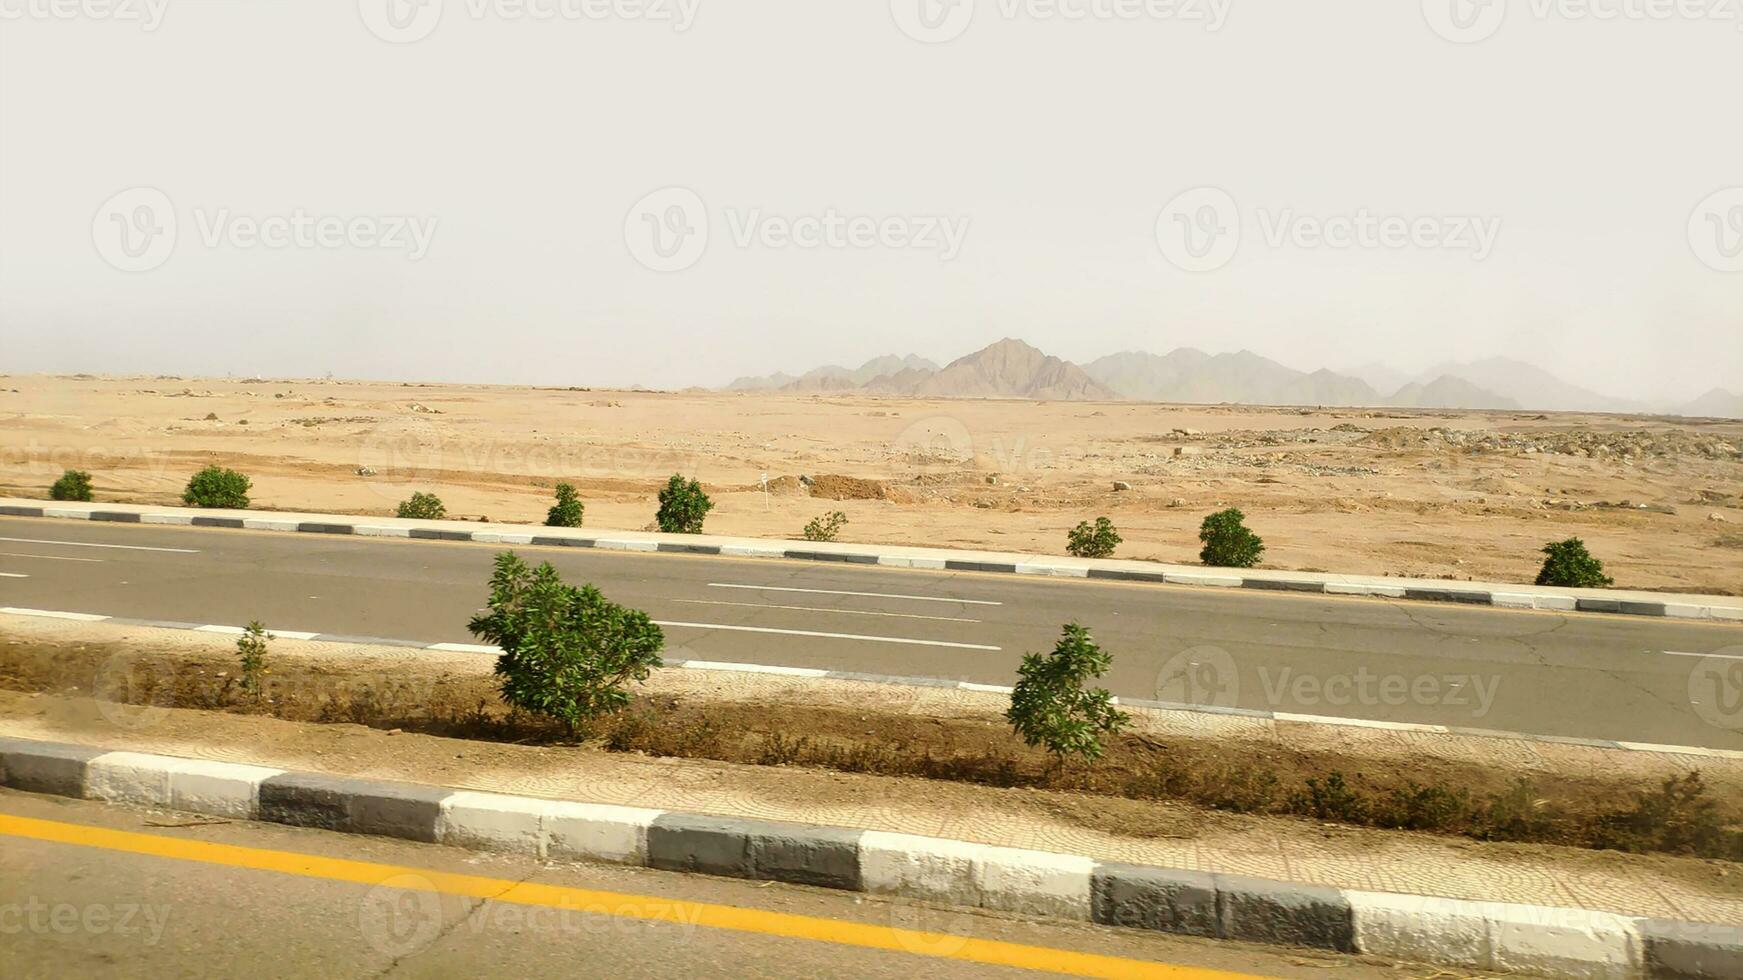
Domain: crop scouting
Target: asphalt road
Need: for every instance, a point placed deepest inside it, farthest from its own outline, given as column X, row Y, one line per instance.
column 90, row 902
column 1578, row 675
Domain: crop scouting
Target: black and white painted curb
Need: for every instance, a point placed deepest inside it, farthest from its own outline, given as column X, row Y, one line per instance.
column 940, row 683
column 1675, row 606
column 1473, row 935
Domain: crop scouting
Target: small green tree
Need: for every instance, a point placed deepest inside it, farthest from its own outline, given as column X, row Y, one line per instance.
column 683, row 505
column 422, row 507
column 825, row 527
column 73, row 485
column 567, row 652
column 1096, row 540
column 1050, row 706
column 568, row 509
column 1569, row 565
column 1227, row 542
column 216, row 486
column 251, row 650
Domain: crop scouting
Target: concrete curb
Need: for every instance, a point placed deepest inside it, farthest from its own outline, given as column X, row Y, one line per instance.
column 1500, row 595
column 1454, row 932
column 819, row 673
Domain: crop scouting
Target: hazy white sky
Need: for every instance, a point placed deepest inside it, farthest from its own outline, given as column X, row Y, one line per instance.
column 461, row 189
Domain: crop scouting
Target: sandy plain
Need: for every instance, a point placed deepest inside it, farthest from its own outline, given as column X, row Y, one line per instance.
column 1446, row 494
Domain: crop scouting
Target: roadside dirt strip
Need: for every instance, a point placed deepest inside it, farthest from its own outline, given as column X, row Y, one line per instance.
column 1510, row 596
column 1473, row 935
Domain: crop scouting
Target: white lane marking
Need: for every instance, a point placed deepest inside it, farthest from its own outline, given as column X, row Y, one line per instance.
column 873, row 595
column 93, row 544
column 832, row 636
column 821, row 609
column 51, row 614
column 16, row 554
column 12, row 575
column 1717, row 656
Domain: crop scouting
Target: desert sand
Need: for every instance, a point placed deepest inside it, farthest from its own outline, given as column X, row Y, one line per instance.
column 1446, row 494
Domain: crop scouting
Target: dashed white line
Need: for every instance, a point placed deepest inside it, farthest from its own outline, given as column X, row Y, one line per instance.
column 1718, row 656
column 12, row 575
column 93, row 544
column 831, row 636
column 872, row 595
column 821, row 609
column 16, row 554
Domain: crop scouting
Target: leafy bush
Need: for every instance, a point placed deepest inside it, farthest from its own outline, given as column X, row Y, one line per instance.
column 73, row 485
column 568, row 509
column 683, row 505
column 215, row 486
column 1049, row 705
column 251, row 650
column 826, row 527
column 567, row 652
column 1571, row 566
column 1093, row 541
column 1227, row 542
column 422, row 507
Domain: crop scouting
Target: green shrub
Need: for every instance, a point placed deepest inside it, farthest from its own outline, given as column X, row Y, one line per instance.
column 422, row 507
column 683, row 505
column 568, row 509
column 251, row 650
column 826, row 527
column 567, row 653
column 1227, row 542
column 1570, row 566
column 1332, row 799
column 215, row 486
column 73, row 485
column 1050, row 706
column 1677, row 818
column 1096, row 540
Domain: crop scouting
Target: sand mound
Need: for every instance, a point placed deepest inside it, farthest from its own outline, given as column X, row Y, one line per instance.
column 832, row 486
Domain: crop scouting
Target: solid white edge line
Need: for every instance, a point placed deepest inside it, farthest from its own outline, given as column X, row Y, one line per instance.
column 52, row 614
column 93, row 544
column 829, row 636
column 872, row 595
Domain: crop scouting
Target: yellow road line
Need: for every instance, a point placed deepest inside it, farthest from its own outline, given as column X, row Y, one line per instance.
column 782, row 924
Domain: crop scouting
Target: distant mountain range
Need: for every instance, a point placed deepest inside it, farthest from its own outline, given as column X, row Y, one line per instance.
column 1014, row 369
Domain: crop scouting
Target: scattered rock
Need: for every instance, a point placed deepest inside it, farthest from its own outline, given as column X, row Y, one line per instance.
column 1121, row 485
column 1718, row 518
column 365, row 471
column 211, row 416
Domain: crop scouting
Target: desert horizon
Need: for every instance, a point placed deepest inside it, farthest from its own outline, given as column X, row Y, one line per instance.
column 1421, row 493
